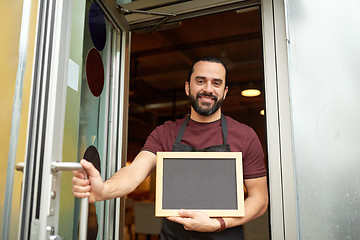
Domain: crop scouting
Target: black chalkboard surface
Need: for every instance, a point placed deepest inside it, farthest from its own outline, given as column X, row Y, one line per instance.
column 206, row 181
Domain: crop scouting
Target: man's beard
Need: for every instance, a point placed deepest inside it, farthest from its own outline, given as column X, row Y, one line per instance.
column 206, row 109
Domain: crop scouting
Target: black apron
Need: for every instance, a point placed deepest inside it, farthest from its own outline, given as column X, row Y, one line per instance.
column 175, row 231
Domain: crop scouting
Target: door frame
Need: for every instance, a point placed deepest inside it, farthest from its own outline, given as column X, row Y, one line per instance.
column 282, row 192
column 46, row 118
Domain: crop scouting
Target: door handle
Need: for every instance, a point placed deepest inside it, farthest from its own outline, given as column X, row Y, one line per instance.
column 74, row 166
column 69, row 166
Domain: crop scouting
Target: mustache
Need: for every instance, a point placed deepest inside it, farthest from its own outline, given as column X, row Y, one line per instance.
column 198, row 95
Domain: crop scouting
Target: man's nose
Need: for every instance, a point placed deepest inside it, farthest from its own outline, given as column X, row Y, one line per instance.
column 208, row 88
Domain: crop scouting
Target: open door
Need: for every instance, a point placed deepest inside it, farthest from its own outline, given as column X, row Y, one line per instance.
column 78, row 94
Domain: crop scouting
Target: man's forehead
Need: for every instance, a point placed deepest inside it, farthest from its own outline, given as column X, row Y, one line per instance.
column 209, row 67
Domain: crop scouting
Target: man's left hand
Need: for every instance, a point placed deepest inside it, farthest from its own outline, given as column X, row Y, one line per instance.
column 196, row 221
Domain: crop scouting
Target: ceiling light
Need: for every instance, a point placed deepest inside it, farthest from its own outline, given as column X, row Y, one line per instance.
column 262, row 112
column 251, row 92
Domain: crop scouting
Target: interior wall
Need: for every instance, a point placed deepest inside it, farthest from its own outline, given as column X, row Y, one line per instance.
column 10, row 25
column 324, row 71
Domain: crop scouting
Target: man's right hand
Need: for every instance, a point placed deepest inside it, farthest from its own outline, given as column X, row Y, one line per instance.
column 93, row 187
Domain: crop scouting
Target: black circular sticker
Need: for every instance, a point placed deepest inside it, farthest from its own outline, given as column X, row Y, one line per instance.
column 97, row 26
column 92, row 155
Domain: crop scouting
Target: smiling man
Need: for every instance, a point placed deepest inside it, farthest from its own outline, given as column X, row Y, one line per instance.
column 206, row 129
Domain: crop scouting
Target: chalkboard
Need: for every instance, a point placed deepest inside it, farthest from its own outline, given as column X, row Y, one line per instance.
column 204, row 181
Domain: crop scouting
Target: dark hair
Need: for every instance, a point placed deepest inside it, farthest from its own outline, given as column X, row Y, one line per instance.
column 209, row 59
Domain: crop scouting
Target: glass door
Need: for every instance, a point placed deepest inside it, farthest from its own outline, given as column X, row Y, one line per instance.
column 92, row 111
column 76, row 111
column 87, row 111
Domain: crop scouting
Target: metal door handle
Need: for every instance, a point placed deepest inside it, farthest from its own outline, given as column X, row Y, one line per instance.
column 69, row 166
column 73, row 166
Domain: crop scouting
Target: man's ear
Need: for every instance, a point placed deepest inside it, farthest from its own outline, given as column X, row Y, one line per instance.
column 187, row 88
column 225, row 92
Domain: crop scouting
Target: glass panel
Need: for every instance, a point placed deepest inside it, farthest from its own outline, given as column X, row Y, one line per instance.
column 86, row 118
column 18, row 25
column 324, row 84
column 67, row 217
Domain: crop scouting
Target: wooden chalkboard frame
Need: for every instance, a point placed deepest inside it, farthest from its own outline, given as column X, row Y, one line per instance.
column 236, row 211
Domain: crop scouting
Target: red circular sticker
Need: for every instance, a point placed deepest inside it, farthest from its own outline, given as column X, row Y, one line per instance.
column 95, row 72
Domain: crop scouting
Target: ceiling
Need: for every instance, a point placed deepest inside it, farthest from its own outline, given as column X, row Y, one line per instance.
column 161, row 58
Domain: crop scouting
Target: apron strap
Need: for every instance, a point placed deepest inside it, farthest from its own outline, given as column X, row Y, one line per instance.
column 182, row 130
column 224, row 128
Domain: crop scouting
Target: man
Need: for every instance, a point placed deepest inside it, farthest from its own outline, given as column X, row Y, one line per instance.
column 205, row 129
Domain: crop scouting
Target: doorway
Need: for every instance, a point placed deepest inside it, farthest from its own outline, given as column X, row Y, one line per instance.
column 156, row 112
column 160, row 60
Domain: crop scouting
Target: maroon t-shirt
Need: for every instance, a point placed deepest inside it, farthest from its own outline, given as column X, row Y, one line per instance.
column 241, row 138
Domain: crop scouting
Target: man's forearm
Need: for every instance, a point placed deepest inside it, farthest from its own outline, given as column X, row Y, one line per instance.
column 128, row 178
column 118, row 185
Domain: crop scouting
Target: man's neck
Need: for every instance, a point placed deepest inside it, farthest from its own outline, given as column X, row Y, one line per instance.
column 204, row 119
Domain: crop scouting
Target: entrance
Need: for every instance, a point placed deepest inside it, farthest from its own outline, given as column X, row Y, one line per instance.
column 160, row 60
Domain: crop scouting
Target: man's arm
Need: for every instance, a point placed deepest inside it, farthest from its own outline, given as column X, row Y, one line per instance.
column 255, row 205
column 120, row 184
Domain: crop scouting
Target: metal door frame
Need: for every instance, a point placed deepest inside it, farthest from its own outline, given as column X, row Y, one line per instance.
column 46, row 117
column 281, row 164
